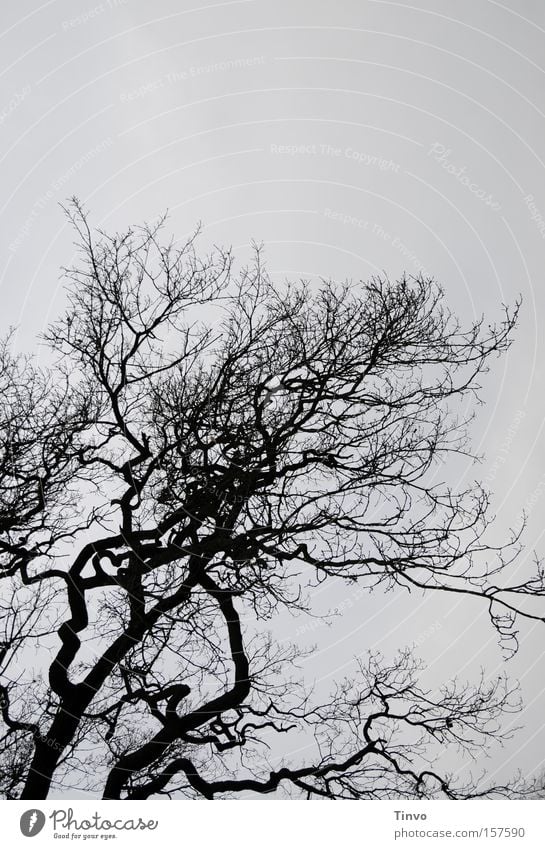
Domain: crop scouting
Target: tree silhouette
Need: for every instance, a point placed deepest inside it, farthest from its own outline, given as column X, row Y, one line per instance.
column 206, row 448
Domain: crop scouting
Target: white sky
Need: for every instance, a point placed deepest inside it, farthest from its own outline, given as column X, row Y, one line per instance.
column 324, row 130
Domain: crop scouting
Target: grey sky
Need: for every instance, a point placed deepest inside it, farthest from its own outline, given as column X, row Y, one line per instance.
column 353, row 137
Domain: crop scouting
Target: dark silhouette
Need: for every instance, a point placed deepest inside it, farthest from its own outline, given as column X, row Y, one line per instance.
column 204, row 448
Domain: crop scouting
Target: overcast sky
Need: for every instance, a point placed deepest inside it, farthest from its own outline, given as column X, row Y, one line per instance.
column 351, row 137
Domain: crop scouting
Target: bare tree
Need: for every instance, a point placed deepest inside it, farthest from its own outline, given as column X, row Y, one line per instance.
column 205, row 449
